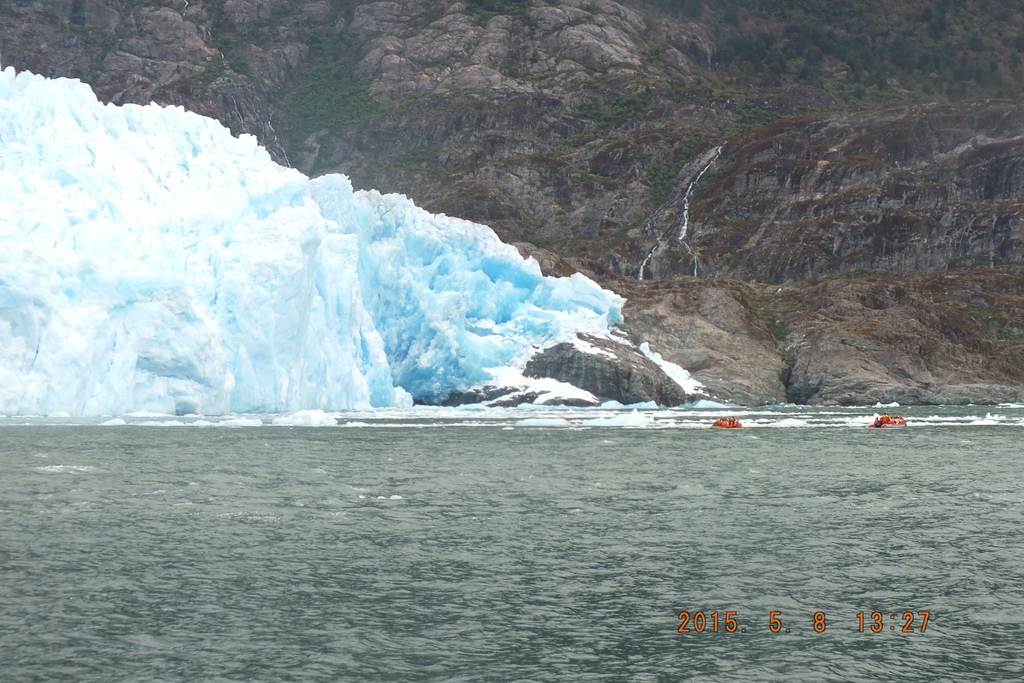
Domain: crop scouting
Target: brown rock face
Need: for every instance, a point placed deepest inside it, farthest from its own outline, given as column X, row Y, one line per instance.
column 408, row 51
column 933, row 339
column 918, row 339
column 163, row 52
column 715, row 337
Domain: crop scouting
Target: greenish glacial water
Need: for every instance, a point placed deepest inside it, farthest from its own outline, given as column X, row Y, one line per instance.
column 531, row 545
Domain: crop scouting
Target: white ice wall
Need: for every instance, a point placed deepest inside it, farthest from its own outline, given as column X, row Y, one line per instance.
column 151, row 261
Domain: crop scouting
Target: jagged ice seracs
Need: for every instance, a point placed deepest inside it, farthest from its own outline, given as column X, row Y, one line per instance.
column 150, row 261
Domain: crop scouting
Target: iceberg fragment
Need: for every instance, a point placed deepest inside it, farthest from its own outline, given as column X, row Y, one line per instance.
column 150, row 261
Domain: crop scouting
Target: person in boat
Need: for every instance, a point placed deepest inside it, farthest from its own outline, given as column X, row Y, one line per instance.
column 884, row 419
column 727, row 423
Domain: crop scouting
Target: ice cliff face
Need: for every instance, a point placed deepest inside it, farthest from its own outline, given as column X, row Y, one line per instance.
column 151, row 261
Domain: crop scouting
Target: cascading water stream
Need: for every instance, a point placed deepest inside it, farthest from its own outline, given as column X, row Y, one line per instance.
column 687, row 197
column 650, row 255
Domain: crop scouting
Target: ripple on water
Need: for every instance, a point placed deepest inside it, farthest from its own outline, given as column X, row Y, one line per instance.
column 273, row 553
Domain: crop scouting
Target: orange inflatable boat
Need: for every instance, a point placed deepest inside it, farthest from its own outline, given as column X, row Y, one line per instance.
column 888, row 422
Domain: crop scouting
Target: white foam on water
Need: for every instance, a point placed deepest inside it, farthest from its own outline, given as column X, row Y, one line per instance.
column 67, row 468
column 568, row 417
column 544, row 422
column 789, row 422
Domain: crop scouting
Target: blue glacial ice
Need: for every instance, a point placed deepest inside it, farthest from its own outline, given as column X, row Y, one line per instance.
column 150, row 261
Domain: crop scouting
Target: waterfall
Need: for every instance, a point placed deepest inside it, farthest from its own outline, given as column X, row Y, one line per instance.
column 687, row 197
column 689, row 194
column 650, row 254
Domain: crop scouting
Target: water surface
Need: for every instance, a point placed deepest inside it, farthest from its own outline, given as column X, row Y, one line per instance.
column 468, row 546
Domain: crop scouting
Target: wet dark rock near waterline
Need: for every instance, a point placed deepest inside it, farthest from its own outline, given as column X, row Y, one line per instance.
column 612, row 371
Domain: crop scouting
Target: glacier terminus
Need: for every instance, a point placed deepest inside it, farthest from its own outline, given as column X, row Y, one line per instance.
column 150, row 261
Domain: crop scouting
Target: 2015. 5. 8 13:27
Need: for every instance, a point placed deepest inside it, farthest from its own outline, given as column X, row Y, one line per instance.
column 716, row 622
column 879, row 621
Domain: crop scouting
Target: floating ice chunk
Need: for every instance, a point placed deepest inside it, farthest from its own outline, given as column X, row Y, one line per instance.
column 241, row 422
column 307, row 418
column 644, row 405
column 544, row 422
column 704, row 403
column 633, row 419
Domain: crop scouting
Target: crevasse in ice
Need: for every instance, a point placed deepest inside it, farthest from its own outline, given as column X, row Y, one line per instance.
column 150, row 261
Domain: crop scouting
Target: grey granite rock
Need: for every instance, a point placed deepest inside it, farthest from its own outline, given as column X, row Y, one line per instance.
column 610, row 370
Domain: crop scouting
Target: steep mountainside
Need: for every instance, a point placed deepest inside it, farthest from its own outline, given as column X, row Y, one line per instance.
column 652, row 140
column 921, row 188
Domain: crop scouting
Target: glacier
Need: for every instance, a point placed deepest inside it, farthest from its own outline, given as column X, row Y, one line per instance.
column 151, row 261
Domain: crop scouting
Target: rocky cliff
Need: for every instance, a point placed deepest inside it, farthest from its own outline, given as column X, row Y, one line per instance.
column 911, row 189
column 942, row 338
column 620, row 140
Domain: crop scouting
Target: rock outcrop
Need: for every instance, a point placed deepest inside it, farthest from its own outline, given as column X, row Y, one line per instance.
column 610, row 370
column 605, row 369
column 712, row 332
column 943, row 338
